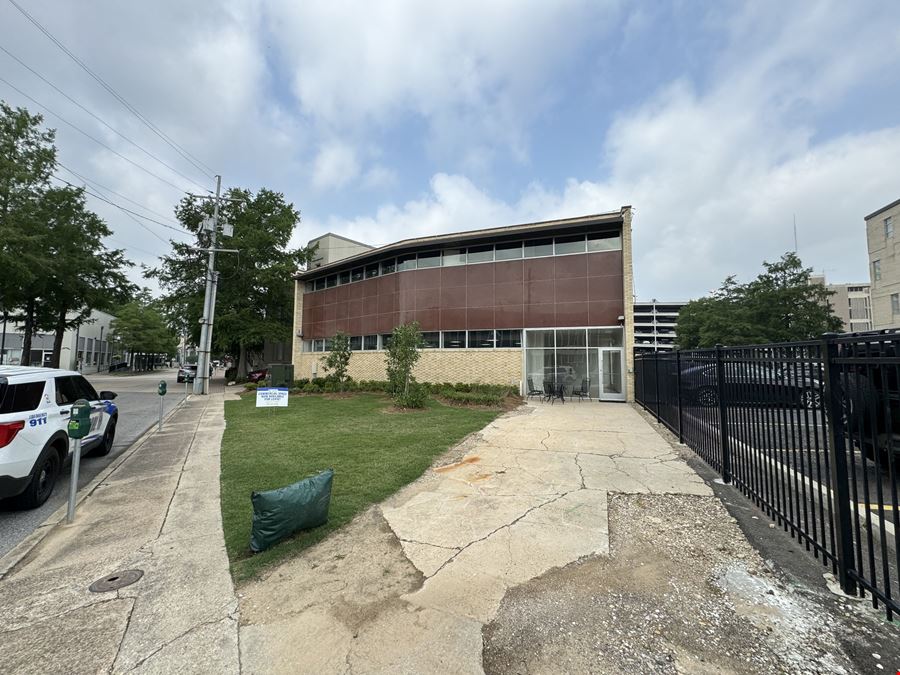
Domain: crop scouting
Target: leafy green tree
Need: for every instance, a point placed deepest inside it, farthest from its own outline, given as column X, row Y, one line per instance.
column 27, row 158
column 338, row 358
column 403, row 353
column 140, row 328
column 782, row 304
column 254, row 302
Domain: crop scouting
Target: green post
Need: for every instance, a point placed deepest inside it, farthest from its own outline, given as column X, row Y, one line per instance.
column 79, row 426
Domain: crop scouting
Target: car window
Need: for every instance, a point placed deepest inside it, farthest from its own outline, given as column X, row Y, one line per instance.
column 22, row 397
column 85, row 389
column 66, row 392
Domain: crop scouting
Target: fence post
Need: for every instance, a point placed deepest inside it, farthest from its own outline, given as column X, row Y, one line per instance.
column 656, row 381
column 723, row 422
column 678, row 394
column 840, row 484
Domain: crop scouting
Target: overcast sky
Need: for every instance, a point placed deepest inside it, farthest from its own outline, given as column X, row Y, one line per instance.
column 718, row 121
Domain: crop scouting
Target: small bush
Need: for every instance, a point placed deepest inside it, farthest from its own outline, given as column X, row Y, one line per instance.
column 302, row 382
column 472, row 398
column 251, row 386
column 415, row 396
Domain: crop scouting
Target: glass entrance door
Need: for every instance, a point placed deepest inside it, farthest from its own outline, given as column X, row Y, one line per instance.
column 612, row 381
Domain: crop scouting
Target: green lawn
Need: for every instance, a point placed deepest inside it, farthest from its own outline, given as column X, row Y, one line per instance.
column 373, row 453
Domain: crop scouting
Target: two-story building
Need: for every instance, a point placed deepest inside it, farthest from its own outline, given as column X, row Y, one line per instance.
column 505, row 305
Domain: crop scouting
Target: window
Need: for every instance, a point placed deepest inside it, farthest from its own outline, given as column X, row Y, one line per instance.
column 357, row 274
column 567, row 245
column 539, row 338
column 481, row 339
column 888, row 227
column 509, row 338
column 331, row 282
column 355, row 343
column 372, row 271
column 344, row 277
column 429, row 260
column 389, row 266
column 386, row 341
column 508, row 251
column 320, row 284
column 895, row 303
column 604, row 241
column 570, row 338
column 406, row 262
column 876, row 270
column 66, row 391
column 85, row 389
column 454, row 256
column 328, row 344
column 16, row 398
column 538, row 247
column 480, row 254
column 454, row 339
column 310, row 286
column 319, row 345
column 431, row 340
column 370, row 342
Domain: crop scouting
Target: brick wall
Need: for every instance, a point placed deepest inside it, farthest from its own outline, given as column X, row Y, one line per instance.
column 489, row 366
column 628, row 290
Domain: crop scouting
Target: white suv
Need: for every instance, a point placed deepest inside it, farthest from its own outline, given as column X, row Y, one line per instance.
column 34, row 414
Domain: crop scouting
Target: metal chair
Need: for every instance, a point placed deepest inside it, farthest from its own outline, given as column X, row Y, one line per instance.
column 584, row 392
column 531, row 390
column 553, row 391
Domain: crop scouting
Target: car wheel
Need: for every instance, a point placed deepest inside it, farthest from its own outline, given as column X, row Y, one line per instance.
column 811, row 399
column 43, row 480
column 708, row 397
column 109, row 437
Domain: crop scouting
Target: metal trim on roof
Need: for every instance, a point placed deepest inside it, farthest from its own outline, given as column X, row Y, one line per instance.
column 882, row 209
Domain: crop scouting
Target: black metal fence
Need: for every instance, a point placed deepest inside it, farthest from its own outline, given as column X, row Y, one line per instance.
column 809, row 431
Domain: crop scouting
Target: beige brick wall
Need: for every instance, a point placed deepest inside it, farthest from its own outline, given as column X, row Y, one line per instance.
column 297, row 343
column 887, row 251
column 628, row 290
column 489, row 366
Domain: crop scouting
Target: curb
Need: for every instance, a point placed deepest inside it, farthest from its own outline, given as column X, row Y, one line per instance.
column 10, row 561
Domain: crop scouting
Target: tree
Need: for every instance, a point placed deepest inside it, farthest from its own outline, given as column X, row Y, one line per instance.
column 141, row 329
column 338, row 358
column 255, row 300
column 781, row 305
column 402, row 355
column 27, row 158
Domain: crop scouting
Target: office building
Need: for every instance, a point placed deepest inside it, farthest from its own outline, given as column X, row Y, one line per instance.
column 655, row 323
column 884, row 265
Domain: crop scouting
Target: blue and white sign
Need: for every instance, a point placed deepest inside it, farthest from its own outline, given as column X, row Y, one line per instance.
column 272, row 397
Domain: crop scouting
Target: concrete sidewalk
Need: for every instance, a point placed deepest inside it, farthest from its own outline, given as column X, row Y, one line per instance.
column 157, row 511
column 566, row 538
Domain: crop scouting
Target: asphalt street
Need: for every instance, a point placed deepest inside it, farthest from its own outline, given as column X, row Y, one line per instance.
column 138, row 405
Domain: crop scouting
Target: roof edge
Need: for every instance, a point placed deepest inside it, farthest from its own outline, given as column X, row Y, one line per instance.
column 883, row 209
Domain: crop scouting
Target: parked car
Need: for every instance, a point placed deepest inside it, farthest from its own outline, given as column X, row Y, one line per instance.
column 34, row 441
column 753, row 383
column 258, row 375
column 187, row 372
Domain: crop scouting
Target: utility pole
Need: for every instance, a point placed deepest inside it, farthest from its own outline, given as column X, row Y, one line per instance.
column 201, row 382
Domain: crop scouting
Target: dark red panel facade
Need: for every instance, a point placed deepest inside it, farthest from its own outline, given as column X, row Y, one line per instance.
column 558, row 291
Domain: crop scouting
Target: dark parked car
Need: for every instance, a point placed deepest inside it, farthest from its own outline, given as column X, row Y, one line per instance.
column 187, row 372
column 258, row 375
column 753, row 384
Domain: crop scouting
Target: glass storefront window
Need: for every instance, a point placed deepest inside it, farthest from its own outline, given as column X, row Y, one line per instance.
column 508, row 251
column 539, row 338
column 570, row 338
column 538, row 247
column 454, row 256
column 604, row 337
column 568, row 245
column 429, row 260
column 454, row 339
column 480, row 254
column 540, row 365
column 481, row 339
column 431, row 340
column 406, row 262
column 604, row 241
column 509, row 338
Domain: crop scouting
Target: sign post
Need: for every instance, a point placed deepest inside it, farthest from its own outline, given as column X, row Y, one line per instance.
column 161, row 390
column 79, row 426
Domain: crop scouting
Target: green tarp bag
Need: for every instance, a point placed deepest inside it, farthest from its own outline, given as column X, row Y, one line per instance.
column 281, row 512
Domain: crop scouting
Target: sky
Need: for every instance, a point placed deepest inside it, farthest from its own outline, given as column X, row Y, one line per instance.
column 721, row 123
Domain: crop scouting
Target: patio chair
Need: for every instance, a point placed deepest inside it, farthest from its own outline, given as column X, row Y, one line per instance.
column 584, row 392
column 553, row 391
column 531, row 390
column 548, row 391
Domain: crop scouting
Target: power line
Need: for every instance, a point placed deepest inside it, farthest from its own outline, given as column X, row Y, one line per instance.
column 184, row 153
column 99, row 186
column 96, row 140
column 100, row 119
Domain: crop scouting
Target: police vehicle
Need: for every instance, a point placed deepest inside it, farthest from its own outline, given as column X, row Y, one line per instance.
column 34, row 413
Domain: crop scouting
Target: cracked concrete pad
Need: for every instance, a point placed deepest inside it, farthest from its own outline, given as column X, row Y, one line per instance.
column 84, row 640
column 636, row 475
column 427, row 558
column 422, row 641
column 208, row 648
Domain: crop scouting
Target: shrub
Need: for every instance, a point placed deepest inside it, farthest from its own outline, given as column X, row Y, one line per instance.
column 251, row 386
column 414, row 396
column 472, row 398
column 338, row 359
column 230, row 374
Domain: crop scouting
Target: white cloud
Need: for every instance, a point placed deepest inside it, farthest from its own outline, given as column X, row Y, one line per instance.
column 380, row 177
column 335, row 165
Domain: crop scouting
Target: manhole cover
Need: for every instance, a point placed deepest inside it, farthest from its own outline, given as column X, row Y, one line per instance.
column 115, row 581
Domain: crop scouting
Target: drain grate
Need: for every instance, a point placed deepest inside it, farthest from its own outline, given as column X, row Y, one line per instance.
column 115, row 581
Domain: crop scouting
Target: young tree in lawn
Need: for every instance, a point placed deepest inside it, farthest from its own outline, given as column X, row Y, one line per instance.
column 27, row 158
column 255, row 298
column 402, row 355
column 338, row 358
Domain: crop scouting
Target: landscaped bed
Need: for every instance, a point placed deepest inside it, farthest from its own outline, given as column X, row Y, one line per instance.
column 372, row 453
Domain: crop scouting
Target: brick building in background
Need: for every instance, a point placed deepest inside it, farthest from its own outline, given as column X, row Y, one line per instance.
column 884, row 265
column 501, row 305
